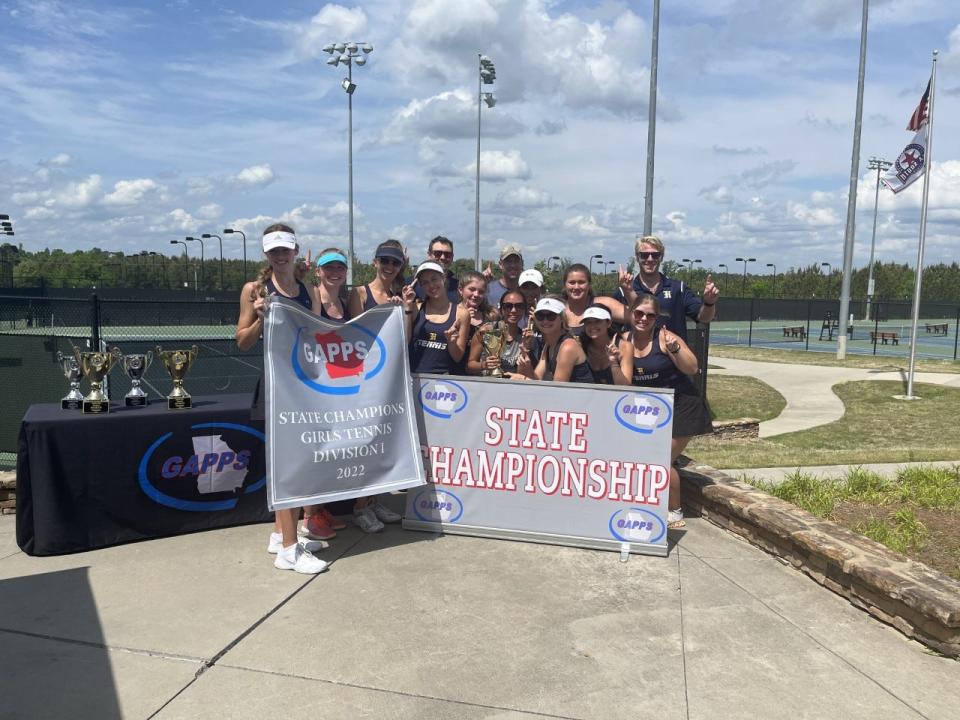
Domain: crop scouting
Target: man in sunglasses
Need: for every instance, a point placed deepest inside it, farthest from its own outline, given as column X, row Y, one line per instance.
column 511, row 265
column 677, row 301
column 440, row 250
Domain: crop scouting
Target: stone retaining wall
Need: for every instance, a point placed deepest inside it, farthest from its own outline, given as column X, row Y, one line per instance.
column 919, row 601
column 743, row 429
column 8, row 493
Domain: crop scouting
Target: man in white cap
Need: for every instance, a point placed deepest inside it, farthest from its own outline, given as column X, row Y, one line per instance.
column 511, row 265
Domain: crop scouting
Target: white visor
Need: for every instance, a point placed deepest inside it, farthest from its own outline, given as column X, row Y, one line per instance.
column 550, row 305
column 596, row 313
column 429, row 265
column 279, row 239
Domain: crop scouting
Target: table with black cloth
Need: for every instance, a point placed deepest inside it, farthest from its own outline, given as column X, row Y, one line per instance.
column 88, row 481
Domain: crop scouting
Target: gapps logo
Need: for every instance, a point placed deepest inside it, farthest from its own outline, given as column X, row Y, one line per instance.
column 339, row 361
column 642, row 412
column 437, row 506
column 443, row 398
column 636, row 525
column 204, row 471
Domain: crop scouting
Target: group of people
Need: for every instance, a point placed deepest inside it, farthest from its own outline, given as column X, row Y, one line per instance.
column 637, row 337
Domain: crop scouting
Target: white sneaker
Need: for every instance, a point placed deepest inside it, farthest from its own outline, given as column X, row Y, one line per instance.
column 299, row 560
column 367, row 521
column 276, row 544
column 675, row 519
column 383, row 513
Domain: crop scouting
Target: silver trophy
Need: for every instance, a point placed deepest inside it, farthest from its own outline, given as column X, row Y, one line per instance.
column 73, row 373
column 135, row 366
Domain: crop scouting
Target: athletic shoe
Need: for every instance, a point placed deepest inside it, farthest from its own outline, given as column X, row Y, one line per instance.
column 276, row 544
column 299, row 560
column 367, row 521
column 316, row 527
column 383, row 513
column 675, row 519
column 332, row 520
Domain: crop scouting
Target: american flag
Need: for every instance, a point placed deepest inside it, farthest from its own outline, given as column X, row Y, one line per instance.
column 919, row 117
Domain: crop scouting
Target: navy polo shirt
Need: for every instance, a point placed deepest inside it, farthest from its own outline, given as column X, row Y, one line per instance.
column 677, row 303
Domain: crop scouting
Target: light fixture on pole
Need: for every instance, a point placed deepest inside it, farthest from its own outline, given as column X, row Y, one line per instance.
column 186, row 259
column 206, row 236
column 878, row 164
column 592, row 258
column 829, row 268
column 691, row 262
column 230, row 231
column 199, row 240
column 726, row 272
column 774, row 278
column 349, row 54
column 743, row 287
column 486, row 75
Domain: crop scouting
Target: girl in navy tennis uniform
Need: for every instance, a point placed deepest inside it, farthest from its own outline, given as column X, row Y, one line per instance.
column 437, row 343
column 562, row 358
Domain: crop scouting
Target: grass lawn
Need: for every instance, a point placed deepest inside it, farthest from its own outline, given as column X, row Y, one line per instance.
column 917, row 513
column 799, row 357
column 735, row 396
column 874, row 428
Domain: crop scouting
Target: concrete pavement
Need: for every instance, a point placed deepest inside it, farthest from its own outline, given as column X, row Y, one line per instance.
column 777, row 475
column 418, row 625
column 808, row 389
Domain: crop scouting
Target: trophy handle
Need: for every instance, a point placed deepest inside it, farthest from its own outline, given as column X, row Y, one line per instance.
column 149, row 356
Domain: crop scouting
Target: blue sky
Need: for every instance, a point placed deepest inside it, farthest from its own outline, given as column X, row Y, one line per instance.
column 127, row 125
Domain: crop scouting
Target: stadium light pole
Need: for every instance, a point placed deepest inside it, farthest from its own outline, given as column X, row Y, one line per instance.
column 486, row 75
column 774, row 278
column 230, row 231
column 349, row 54
column 878, row 164
column 592, row 258
column 207, row 236
column 726, row 272
column 190, row 238
column 186, row 257
column 743, row 287
column 651, row 120
column 829, row 268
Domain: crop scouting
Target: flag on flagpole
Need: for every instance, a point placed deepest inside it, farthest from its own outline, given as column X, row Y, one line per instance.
column 909, row 165
column 919, row 117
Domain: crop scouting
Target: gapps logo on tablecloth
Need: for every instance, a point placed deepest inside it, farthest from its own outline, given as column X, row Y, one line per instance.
column 443, row 398
column 642, row 412
column 433, row 505
column 636, row 525
column 204, row 470
column 339, row 361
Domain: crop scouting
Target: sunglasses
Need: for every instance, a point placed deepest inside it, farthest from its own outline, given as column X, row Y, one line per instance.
column 640, row 315
column 442, row 255
column 390, row 261
column 545, row 315
column 649, row 255
column 513, row 306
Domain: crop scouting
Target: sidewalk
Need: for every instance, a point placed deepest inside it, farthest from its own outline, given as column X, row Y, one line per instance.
column 777, row 475
column 808, row 389
column 415, row 625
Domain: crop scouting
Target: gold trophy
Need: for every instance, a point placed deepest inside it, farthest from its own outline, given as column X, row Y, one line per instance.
column 71, row 370
column 95, row 366
column 493, row 342
column 136, row 367
column 177, row 363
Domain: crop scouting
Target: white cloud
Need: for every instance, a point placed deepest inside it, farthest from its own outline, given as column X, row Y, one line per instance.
column 333, row 21
column 586, row 225
column 130, row 192
column 451, row 114
column 81, row 194
column 497, row 166
column 821, row 217
column 524, row 197
column 255, row 176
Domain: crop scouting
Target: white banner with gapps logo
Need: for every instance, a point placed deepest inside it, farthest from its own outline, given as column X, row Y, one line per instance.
column 564, row 463
column 340, row 421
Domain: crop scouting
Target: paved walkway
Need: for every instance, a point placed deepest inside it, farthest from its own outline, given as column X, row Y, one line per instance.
column 777, row 475
column 808, row 389
column 415, row 625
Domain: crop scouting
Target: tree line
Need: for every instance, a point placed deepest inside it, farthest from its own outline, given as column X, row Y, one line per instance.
column 102, row 269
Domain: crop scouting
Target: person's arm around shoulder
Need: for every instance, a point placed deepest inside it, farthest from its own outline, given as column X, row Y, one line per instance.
column 626, row 359
column 618, row 311
column 457, row 335
column 568, row 354
column 474, row 366
column 679, row 352
column 708, row 309
column 250, row 322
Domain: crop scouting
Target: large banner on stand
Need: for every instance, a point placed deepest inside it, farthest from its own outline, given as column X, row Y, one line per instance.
column 563, row 463
column 340, row 421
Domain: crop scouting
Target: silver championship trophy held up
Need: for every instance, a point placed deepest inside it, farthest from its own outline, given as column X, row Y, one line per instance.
column 135, row 366
column 71, row 370
column 177, row 363
column 95, row 367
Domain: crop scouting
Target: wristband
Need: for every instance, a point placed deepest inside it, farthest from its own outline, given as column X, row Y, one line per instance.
column 709, row 304
column 408, row 312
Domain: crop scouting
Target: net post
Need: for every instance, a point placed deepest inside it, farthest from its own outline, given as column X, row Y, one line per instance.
column 94, row 322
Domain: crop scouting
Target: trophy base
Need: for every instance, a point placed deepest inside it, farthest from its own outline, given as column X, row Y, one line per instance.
column 69, row 404
column 135, row 401
column 96, row 407
column 179, row 403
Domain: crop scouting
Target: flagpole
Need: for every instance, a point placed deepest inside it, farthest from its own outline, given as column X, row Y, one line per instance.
column 927, row 163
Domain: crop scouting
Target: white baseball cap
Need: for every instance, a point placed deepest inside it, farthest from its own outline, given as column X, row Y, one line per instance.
column 531, row 276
